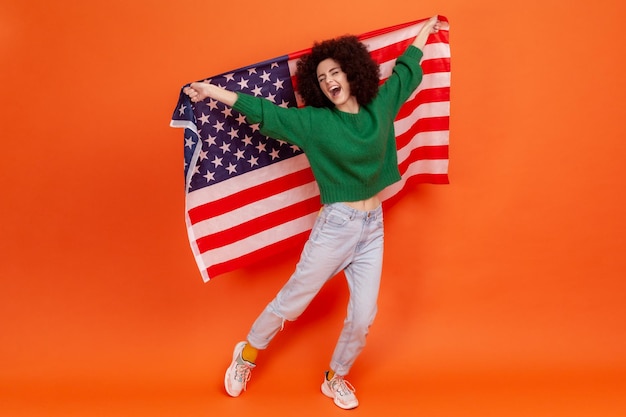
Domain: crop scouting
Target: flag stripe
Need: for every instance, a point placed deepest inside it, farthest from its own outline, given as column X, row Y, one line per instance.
column 431, row 66
column 431, row 95
column 256, row 256
column 250, row 195
column 390, row 52
column 423, row 153
column 429, row 124
column 423, row 139
column 257, row 225
column 431, row 171
column 259, row 240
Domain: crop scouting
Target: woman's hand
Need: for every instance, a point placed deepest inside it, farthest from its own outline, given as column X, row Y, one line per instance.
column 198, row 91
column 432, row 25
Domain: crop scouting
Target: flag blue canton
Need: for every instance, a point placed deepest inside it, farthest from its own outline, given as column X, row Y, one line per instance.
column 219, row 142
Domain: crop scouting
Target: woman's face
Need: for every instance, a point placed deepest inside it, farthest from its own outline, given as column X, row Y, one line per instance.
column 334, row 84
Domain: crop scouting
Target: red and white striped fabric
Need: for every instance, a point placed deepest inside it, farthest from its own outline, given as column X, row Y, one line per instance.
column 260, row 213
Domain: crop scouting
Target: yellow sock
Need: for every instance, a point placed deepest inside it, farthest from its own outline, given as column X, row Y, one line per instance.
column 330, row 374
column 249, row 353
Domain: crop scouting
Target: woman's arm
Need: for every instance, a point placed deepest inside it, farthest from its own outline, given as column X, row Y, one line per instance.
column 431, row 26
column 288, row 124
column 198, row 91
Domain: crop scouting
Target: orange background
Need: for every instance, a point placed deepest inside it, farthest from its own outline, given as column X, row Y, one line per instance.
column 503, row 292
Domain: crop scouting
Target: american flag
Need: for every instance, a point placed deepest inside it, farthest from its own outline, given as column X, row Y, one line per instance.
column 249, row 196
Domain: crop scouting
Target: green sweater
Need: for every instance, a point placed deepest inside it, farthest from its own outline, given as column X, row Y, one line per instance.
column 353, row 156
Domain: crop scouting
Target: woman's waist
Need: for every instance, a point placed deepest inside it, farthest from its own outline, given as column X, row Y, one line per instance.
column 368, row 204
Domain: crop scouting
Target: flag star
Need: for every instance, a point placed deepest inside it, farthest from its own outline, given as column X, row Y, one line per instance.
column 243, row 83
column 232, row 168
column 295, row 148
column 233, row 133
column 219, row 126
column 204, row 118
column 212, row 104
column 254, row 127
column 274, row 65
column 265, row 77
column 196, row 170
column 274, row 154
column 203, row 155
column 217, row 162
column 251, row 71
column 261, row 147
column 272, row 98
column 253, row 161
column 280, row 142
column 225, row 147
column 241, row 119
column 189, row 142
column 211, row 140
column 279, row 84
column 240, row 154
column 284, row 104
column 210, row 176
column 257, row 91
column 230, row 77
column 181, row 110
column 247, row 140
column 227, row 112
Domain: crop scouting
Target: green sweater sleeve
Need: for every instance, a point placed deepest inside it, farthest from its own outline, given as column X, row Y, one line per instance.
column 292, row 124
column 406, row 76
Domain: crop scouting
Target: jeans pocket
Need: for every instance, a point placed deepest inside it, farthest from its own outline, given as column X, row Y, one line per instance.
column 336, row 218
column 331, row 227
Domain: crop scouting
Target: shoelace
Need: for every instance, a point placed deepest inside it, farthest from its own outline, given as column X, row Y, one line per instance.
column 242, row 373
column 342, row 387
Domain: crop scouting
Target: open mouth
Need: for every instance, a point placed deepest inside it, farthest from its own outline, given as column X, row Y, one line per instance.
column 334, row 90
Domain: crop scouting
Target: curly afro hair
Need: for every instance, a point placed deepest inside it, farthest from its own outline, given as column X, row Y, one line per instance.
column 361, row 70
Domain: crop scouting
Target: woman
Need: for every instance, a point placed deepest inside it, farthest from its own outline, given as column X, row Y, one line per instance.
column 346, row 131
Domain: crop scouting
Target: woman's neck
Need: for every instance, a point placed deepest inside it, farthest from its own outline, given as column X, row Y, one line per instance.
column 349, row 106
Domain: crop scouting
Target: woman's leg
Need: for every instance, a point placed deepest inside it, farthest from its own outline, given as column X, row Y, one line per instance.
column 363, row 276
column 328, row 251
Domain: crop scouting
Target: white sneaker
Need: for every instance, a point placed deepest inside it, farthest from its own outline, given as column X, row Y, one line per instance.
column 341, row 391
column 238, row 373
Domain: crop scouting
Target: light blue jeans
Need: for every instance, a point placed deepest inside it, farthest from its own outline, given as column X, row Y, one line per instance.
column 342, row 239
